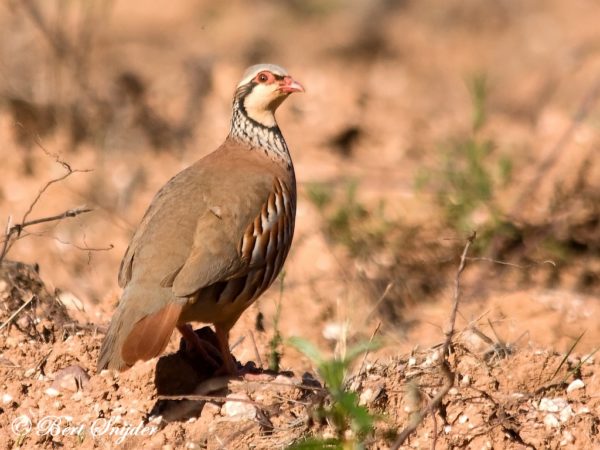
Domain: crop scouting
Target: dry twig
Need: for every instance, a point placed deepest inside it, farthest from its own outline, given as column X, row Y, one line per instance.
column 14, row 231
column 16, row 313
column 445, row 369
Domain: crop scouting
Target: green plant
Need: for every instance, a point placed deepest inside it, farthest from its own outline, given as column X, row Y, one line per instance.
column 347, row 221
column 471, row 174
column 342, row 410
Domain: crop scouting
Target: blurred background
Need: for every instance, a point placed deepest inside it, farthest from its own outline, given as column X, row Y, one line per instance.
column 423, row 121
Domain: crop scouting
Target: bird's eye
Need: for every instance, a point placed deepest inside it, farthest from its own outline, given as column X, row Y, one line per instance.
column 262, row 77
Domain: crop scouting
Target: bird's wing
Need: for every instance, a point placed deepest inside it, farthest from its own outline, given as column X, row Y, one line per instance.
column 195, row 233
column 232, row 239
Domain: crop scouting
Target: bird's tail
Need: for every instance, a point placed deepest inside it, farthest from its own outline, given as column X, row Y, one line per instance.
column 137, row 335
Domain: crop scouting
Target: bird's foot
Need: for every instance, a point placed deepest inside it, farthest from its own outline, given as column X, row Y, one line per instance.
column 208, row 351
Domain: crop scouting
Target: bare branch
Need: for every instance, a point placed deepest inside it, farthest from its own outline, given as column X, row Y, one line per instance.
column 506, row 263
column 449, row 376
column 16, row 230
column 16, row 313
column 44, row 188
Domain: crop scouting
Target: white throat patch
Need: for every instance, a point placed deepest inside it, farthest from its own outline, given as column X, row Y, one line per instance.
column 258, row 104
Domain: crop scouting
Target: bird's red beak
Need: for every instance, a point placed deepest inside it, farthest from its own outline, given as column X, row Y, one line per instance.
column 289, row 85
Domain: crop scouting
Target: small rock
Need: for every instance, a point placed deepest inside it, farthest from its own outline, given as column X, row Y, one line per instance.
column 552, row 404
column 466, row 380
column 453, row 391
column 29, row 372
column 567, row 438
column 576, row 384
column 588, row 359
column 282, row 379
column 431, row 359
column 566, row 414
column 551, row 421
column 333, row 331
column 52, row 392
column 70, row 301
column 6, row 399
column 447, row 429
column 366, row 397
column 5, row 362
column 210, row 410
column 72, row 378
column 238, row 410
column 412, row 361
column 583, row 410
column 463, row 419
column 155, row 420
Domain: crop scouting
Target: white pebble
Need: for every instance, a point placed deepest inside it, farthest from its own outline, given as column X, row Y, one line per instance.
column 552, row 404
column 412, row 361
column 589, row 359
column 447, row 429
column 70, row 301
column 366, row 397
column 51, row 392
column 431, row 359
column 567, row 438
column 583, row 410
column 238, row 410
column 551, row 421
column 7, row 398
column 155, row 420
column 577, row 384
column 463, row 419
column 566, row 414
column 466, row 380
column 333, row 331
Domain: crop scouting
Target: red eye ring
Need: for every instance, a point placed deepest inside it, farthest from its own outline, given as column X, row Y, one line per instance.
column 262, row 77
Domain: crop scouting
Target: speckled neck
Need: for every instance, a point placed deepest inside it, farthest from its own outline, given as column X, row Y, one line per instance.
column 258, row 136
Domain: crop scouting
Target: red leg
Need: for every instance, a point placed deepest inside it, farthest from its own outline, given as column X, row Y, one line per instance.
column 229, row 365
column 204, row 347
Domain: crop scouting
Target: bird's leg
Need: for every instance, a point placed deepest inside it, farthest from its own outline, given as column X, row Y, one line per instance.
column 203, row 347
column 229, row 365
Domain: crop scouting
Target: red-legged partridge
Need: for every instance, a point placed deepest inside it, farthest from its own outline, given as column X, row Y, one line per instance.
column 214, row 237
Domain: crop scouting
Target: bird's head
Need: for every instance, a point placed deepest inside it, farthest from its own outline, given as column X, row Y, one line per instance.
column 262, row 89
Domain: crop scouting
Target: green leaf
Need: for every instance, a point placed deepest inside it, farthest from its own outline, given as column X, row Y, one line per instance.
column 317, row 444
column 359, row 349
column 306, row 347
